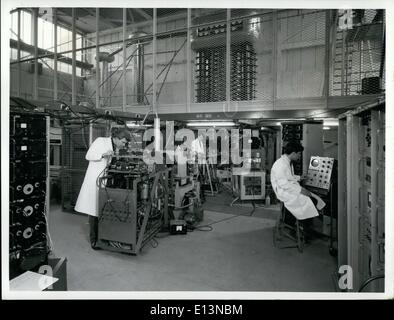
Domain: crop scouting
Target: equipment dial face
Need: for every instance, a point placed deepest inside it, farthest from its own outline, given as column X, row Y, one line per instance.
column 27, row 211
column 28, row 189
column 27, row 233
column 315, row 163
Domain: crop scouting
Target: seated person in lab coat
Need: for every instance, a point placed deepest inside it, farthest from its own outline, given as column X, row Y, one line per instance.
column 99, row 156
column 285, row 184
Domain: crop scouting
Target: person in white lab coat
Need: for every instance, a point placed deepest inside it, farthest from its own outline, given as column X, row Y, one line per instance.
column 199, row 157
column 285, row 184
column 198, row 149
column 181, row 157
column 99, row 156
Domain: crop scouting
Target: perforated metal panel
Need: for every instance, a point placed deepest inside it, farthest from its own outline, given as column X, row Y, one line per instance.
column 358, row 52
column 251, row 54
column 300, row 53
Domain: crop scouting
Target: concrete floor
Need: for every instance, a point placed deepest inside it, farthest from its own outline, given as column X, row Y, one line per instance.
column 237, row 255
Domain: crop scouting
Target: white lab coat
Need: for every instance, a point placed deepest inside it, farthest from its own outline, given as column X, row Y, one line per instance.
column 87, row 201
column 181, row 160
column 197, row 149
column 181, row 155
column 288, row 190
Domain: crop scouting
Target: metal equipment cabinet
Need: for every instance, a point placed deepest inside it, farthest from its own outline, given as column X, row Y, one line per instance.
column 28, row 188
column 310, row 135
column 361, row 193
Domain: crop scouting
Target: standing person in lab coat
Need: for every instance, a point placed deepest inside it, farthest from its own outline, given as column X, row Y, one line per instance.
column 198, row 149
column 99, row 156
column 198, row 155
column 181, row 157
column 286, row 185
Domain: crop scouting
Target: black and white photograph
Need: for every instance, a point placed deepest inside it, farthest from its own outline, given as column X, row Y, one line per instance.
column 197, row 150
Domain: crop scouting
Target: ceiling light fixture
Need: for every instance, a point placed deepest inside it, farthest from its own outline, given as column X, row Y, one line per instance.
column 212, row 124
column 133, row 124
column 330, row 122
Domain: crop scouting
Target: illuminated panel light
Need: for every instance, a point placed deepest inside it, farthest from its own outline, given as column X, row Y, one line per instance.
column 326, row 128
column 254, row 26
column 132, row 124
column 330, row 123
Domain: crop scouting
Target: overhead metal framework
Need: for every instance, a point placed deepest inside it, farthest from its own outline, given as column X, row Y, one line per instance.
column 98, row 21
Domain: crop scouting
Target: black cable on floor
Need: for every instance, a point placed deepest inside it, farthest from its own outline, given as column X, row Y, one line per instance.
column 209, row 226
column 200, row 228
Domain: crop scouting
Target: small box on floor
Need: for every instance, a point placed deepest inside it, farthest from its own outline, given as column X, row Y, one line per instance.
column 178, row 227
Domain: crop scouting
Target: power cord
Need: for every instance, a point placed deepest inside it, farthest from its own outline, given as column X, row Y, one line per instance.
column 208, row 227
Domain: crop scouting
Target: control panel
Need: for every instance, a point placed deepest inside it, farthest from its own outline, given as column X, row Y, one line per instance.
column 319, row 172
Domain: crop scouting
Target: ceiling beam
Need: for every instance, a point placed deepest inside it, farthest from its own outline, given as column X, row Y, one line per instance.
column 49, row 54
column 64, row 21
column 143, row 14
column 106, row 22
column 130, row 12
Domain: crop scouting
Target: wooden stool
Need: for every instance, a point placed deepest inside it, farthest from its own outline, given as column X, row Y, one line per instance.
column 282, row 229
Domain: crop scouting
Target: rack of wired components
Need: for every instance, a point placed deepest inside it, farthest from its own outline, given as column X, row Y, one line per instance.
column 210, row 45
column 29, row 190
column 361, row 195
column 310, row 135
column 133, row 203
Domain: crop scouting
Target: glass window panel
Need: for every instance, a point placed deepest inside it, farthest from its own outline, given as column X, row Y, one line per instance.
column 40, row 34
column 26, row 27
column 14, row 25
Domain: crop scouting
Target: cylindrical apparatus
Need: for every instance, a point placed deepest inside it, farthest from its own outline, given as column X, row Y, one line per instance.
column 145, row 191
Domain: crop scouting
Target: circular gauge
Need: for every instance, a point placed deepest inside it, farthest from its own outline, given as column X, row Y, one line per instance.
column 28, row 189
column 27, row 233
column 315, row 163
column 27, row 211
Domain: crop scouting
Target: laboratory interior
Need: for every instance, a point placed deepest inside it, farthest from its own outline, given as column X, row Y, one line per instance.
column 196, row 149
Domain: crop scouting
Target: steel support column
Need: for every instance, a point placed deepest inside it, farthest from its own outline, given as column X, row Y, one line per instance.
column 97, row 60
column 228, row 60
column 35, row 44
column 124, row 60
column 274, row 58
column 19, row 54
column 188, row 62
column 74, row 55
column 353, row 160
column 55, row 79
column 154, row 59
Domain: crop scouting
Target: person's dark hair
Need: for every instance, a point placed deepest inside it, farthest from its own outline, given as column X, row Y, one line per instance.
column 292, row 146
column 121, row 133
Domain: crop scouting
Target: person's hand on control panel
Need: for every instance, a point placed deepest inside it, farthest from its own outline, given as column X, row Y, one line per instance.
column 107, row 154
